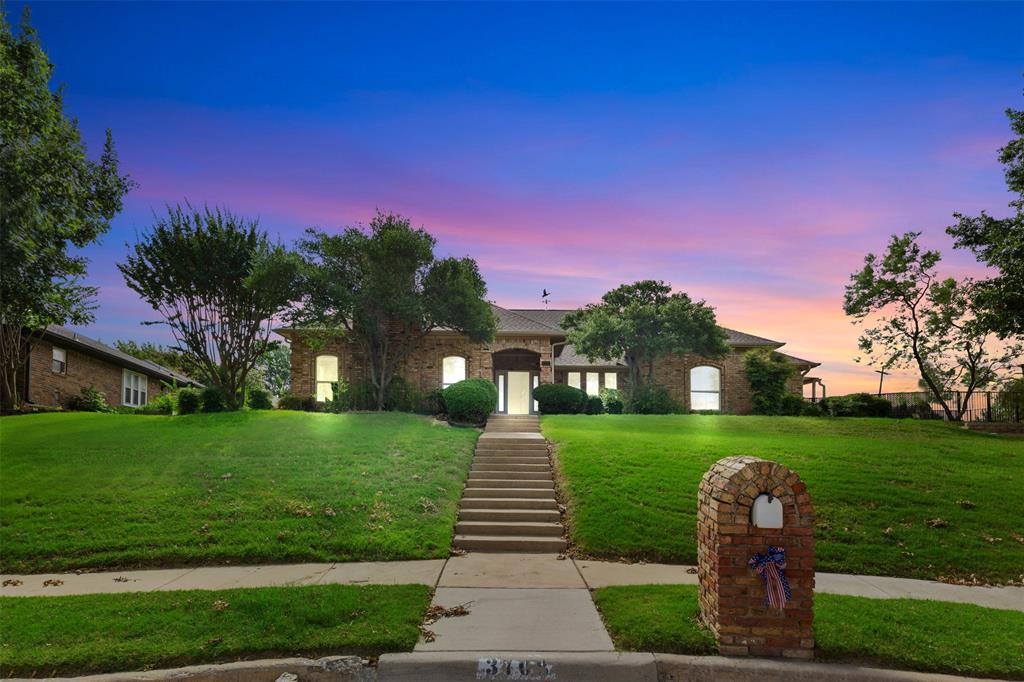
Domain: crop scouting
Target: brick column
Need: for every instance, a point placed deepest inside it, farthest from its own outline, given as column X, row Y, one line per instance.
column 731, row 592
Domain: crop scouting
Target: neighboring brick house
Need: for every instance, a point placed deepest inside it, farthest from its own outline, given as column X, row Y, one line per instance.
column 62, row 362
column 530, row 349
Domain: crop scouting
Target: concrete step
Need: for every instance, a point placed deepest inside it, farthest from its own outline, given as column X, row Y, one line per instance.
column 506, row 515
column 520, row 528
column 511, row 459
column 509, row 447
column 488, row 490
column 509, row 483
column 509, row 543
column 484, row 465
column 478, row 475
column 507, row 502
column 511, row 438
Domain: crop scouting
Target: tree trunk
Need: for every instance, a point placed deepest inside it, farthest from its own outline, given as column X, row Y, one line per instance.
column 12, row 359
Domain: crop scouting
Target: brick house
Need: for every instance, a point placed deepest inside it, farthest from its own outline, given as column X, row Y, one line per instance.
column 530, row 349
column 63, row 362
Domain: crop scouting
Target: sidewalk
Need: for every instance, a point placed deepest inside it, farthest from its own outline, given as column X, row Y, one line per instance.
column 512, row 571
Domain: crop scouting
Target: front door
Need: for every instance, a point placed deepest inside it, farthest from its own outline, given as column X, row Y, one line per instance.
column 515, row 391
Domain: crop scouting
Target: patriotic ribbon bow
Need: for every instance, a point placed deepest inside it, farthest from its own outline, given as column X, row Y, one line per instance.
column 772, row 567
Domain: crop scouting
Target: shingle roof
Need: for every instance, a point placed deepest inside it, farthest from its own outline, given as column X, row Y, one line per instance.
column 63, row 335
column 570, row 358
column 511, row 321
column 553, row 319
column 799, row 361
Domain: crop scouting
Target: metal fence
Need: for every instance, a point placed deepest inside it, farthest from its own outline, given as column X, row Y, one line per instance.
column 980, row 406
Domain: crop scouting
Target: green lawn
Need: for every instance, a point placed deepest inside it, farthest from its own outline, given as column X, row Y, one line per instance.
column 106, row 491
column 893, row 497
column 115, row 632
column 900, row 633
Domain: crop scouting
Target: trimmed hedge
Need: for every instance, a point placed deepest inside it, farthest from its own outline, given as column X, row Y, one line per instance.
column 214, row 400
column 613, row 402
column 188, row 401
column 559, row 399
column 259, row 399
column 652, row 399
column 594, row 405
column 857, row 405
column 471, row 401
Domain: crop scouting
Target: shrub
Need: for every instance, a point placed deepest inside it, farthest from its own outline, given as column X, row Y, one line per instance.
column 594, row 405
column 857, row 405
column 259, row 399
column 163, row 403
column 213, row 399
column 612, row 398
column 652, row 399
column 812, row 410
column 433, row 402
column 293, row 401
column 559, row 399
column 188, row 401
column 767, row 373
column 792, row 405
column 471, row 401
column 89, row 399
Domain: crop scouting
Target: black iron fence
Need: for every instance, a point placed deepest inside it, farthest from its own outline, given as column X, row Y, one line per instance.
column 979, row 406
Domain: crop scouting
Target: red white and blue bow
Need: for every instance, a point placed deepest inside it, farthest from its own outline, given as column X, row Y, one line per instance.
column 772, row 567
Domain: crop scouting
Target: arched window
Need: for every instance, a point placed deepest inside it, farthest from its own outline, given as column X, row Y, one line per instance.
column 705, row 388
column 326, row 374
column 453, row 370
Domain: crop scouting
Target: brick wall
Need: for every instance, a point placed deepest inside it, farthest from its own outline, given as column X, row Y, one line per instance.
column 732, row 593
column 46, row 387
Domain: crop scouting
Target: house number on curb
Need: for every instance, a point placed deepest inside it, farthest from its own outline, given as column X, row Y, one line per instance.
column 512, row 669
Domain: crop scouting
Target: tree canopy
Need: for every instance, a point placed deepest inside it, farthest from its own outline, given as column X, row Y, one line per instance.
column 384, row 289
column 999, row 243
column 642, row 322
column 53, row 199
column 916, row 319
column 219, row 283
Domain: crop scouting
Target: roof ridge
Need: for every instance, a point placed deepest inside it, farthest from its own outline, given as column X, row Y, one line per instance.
column 517, row 313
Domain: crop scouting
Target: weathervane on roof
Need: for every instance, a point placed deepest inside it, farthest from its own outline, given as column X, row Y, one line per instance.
column 545, row 296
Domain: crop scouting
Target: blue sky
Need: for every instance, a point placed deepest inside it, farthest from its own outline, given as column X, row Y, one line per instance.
column 748, row 153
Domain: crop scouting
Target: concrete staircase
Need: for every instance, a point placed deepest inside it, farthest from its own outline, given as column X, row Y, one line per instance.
column 509, row 502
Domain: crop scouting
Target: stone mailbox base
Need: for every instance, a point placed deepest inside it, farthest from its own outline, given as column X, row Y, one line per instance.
column 732, row 594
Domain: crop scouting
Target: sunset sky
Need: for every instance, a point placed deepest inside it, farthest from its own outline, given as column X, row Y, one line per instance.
column 748, row 154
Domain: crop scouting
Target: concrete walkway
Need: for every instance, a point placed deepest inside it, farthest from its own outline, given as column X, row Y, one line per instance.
column 518, row 571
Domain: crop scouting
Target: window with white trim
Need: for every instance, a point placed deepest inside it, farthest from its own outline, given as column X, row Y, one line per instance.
column 133, row 388
column 453, row 370
column 593, row 383
column 611, row 380
column 326, row 374
column 574, row 379
column 60, row 361
column 705, row 388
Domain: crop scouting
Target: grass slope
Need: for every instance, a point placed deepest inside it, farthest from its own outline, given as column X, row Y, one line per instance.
column 117, row 632
column 101, row 490
column 875, row 483
column 899, row 633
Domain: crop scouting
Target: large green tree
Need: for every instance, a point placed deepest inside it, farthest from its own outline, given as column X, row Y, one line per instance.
column 385, row 290
column 219, row 283
column 53, row 199
column 643, row 322
column 914, row 318
column 999, row 243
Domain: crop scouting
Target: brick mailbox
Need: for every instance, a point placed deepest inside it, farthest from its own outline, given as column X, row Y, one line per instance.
column 755, row 533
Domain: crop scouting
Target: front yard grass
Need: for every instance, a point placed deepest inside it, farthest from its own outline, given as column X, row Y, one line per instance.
column 49, row 636
column 893, row 497
column 930, row 636
column 120, row 491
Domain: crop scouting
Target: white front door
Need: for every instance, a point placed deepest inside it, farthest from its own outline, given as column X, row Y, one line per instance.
column 518, row 393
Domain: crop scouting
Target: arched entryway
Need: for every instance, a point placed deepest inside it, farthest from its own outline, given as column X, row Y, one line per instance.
column 516, row 374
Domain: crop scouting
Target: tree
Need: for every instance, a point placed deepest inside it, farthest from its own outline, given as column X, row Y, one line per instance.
column 643, row 322
column 52, row 198
column 999, row 243
column 171, row 358
column 385, row 290
column 219, row 283
column 273, row 369
column 925, row 322
column 768, row 373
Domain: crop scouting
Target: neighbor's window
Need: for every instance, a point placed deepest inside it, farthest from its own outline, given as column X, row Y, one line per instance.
column 453, row 370
column 134, row 388
column 60, row 360
column 326, row 374
column 574, row 379
column 593, row 383
column 611, row 380
column 705, row 388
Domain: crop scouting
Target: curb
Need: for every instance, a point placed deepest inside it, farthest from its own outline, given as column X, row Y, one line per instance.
column 536, row 667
